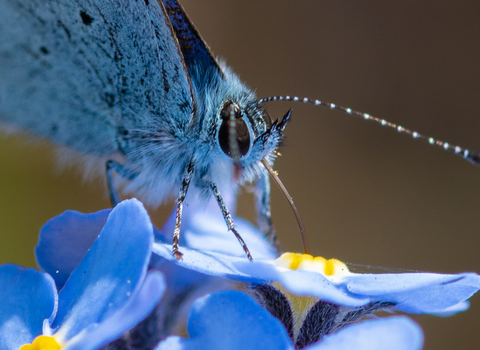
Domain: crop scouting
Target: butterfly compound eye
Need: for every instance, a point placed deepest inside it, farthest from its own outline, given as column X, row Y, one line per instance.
column 233, row 135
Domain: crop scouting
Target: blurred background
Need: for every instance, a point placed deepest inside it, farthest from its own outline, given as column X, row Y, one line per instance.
column 367, row 194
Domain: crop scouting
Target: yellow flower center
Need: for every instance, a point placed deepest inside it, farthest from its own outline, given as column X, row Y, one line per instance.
column 42, row 342
column 306, row 262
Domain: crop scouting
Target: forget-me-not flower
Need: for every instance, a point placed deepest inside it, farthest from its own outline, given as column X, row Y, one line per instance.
column 105, row 294
column 315, row 299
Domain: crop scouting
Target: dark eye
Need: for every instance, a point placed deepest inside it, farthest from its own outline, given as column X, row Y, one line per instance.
column 233, row 135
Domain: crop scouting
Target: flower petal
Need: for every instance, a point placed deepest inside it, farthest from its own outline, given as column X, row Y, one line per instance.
column 136, row 309
column 230, row 320
column 261, row 271
column 392, row 333
column 27, row 297
column 64, row 241
column 110, row 272
column 210, row 263
column 416, row 292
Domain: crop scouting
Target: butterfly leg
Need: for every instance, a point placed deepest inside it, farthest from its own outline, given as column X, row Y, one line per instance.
column 228, row 219
column 112, row 166
column 262, row 206
column 187, row 177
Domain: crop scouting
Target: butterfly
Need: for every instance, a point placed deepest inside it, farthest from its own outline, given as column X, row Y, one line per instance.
column 133, row 83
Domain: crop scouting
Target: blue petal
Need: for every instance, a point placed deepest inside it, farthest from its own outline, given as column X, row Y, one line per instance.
column 135, row 310
column 64, row 241
column 261, row 271
column 417, row 292
column 27, row 297
column 392, row 333
column 112, row 270
column 414, row 292
column 209, row 263
column 230, row 320
column 203, row 228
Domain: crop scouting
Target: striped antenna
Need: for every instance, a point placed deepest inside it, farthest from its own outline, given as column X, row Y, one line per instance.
column 472, row 157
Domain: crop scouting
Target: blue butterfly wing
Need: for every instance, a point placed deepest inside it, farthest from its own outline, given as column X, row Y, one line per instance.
column 196, row 53
column 89, row 74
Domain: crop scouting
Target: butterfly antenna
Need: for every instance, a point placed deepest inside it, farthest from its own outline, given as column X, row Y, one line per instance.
column 282, row 187
column 472, row 157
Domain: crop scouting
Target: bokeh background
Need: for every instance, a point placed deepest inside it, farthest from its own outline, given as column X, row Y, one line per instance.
column 367, row 194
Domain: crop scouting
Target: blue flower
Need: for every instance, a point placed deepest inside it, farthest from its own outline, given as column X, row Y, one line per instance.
column 234, row 321
column 317, row 299
column 110, row 283
column 105, row 294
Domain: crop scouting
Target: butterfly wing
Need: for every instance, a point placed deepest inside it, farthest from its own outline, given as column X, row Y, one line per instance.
column 83, row 72
column 194, row 49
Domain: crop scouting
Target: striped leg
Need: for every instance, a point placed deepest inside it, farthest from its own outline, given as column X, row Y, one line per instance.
column 228, row 219
column 187, row 177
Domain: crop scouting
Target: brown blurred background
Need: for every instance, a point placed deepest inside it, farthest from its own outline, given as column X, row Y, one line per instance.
column 367, row 195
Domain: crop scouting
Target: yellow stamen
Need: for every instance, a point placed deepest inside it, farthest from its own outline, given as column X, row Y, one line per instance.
column 335, row 267
column 42, row 342
column 306, row 262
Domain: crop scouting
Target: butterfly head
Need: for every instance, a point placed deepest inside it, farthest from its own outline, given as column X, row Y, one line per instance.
column 247, row 135
column 234, row 127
